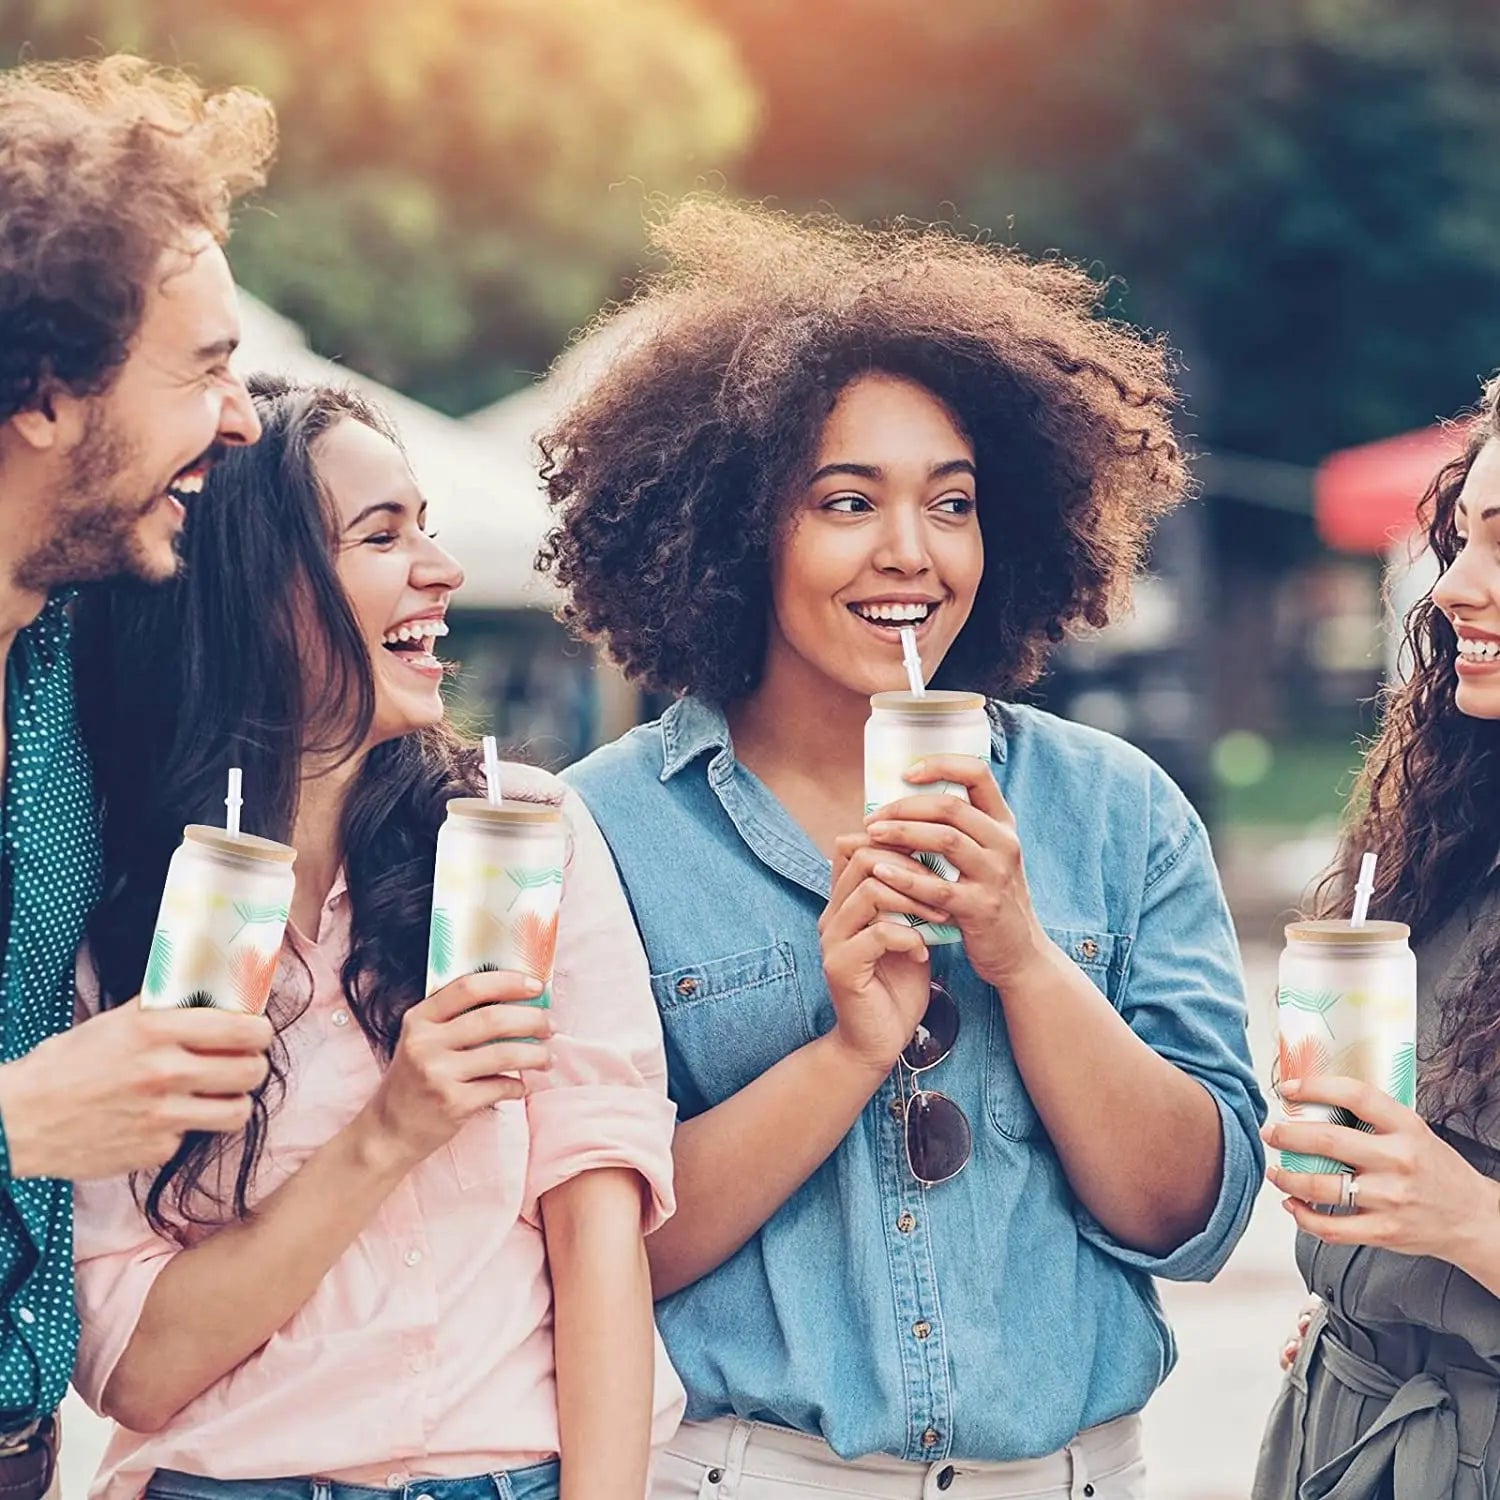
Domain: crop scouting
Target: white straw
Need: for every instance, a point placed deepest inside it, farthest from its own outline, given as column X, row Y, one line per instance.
column 1364, row 888
column 233, row 803
column 911, row 661
column 491, row 768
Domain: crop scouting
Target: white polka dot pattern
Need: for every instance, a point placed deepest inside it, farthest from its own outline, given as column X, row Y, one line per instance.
column 49, row 872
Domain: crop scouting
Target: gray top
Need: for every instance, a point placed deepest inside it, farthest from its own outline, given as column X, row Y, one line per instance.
column 1442, row 962
column 1397, row 1386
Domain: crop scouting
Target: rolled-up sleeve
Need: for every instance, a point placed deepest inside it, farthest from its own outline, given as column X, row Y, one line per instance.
column 117, row 1258
column 603, row 1102
column 1184, row 996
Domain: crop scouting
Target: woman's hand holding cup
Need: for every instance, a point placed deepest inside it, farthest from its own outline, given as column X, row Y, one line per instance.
column 459, row 1052
column 990, row 902
column 877, row 968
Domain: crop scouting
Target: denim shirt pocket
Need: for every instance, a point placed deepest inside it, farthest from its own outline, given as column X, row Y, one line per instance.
column 1101, row 955
column 727, row 1020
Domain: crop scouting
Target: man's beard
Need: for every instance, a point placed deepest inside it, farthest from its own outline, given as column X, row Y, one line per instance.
column 94, row 525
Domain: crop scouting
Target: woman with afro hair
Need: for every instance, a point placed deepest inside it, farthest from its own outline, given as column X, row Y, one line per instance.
column 808, row 427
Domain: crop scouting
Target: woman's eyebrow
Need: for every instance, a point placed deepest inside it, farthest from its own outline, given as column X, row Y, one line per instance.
column 390, row 507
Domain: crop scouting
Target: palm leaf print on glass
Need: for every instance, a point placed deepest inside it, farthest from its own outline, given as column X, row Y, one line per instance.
column 1303, row 1057
column 158, row 965
column 1295, row 1161
column 535, row 940
column 1338, row 1115
column 253, row 972
column 196, row 1000
column 250, row 915
column 1403, row 1084
column 440, row 945
column 1310, row 1002
column 936, row 863
column 533, row 880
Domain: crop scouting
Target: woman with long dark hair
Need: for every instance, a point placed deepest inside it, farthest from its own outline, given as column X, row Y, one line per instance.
column 1395, row 1388
column 422, row 1262
column 923, row 1191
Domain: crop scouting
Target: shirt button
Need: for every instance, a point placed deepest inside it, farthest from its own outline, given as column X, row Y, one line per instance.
column 395, row 1479
column 931, row 1438
column 424, row 1497
column 921, row 1330
column 898, row 1108
column 340, row 1018
column 26, row 1315
column 413, row 1257
column 906, row 1223
column 687, row 985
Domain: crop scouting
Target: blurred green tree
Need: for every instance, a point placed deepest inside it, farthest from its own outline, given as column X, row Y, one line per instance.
column 1305, row 194
column 460, row 182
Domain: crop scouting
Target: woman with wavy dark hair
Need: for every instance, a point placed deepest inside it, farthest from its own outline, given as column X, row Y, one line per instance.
column 1397, row 1380
column 421, row 1266
column 814, row 435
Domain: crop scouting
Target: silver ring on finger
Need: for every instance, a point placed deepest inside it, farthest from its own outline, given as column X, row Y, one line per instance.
column 1349, row 1193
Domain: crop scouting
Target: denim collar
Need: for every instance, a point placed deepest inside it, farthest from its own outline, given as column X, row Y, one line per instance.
column 692, row 727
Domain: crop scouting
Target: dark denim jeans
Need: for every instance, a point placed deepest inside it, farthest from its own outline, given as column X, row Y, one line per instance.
column 538, row 1482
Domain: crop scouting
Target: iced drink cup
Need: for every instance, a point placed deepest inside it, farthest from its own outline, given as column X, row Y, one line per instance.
column 221, row 923
column 1346, row 1004
column 496, row 891
column 904, row 728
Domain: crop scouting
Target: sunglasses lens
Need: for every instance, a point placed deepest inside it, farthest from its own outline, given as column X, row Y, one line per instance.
column 934, row 1037
column 938, row 1139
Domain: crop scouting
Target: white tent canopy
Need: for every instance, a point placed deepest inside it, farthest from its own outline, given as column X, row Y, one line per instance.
column 484, row 496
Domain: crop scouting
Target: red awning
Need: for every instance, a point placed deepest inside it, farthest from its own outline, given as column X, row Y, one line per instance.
column 1365, row 498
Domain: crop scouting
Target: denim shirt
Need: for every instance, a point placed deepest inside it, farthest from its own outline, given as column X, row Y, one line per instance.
column 991, row 1317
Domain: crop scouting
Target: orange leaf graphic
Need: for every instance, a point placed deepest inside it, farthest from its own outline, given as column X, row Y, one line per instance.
column 536, row 943
column 1304, row 1058
column 253, row 973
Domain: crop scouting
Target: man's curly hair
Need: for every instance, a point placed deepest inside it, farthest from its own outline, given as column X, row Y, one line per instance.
column 104, row 164
column 672, row 472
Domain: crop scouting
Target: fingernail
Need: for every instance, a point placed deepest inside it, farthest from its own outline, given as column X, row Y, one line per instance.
column 533, row 986
column 1292, row 1086
column 889, row 872
column 878, row 830
column 916, row 769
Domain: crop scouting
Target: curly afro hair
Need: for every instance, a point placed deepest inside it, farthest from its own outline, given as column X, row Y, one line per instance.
column 103, row 165
column 671, row 473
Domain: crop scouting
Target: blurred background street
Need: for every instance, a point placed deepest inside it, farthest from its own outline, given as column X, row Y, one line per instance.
column 1302, row 196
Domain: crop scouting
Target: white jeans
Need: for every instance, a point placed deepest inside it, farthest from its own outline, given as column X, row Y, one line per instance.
column 728, row 1459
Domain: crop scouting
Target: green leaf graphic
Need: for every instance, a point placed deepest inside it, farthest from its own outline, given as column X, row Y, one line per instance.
column 941, row 932
column 1294, row 1161
column 1312, row 1002
column 1403, row 1085
column 249, row 914
column 158, row 965
column 533, row 880
column 440, row 949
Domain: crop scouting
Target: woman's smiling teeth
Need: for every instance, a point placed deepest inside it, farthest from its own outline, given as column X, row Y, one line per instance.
column 1473, row 649
column 414, row 633
column 893, row 614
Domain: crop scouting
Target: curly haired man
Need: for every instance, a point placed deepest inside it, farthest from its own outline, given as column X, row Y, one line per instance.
column 117, row 321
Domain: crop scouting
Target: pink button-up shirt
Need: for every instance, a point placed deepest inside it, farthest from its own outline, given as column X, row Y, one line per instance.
column 427, row 1349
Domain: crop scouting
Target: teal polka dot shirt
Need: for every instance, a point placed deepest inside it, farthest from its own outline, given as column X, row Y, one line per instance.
column 49, row 878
